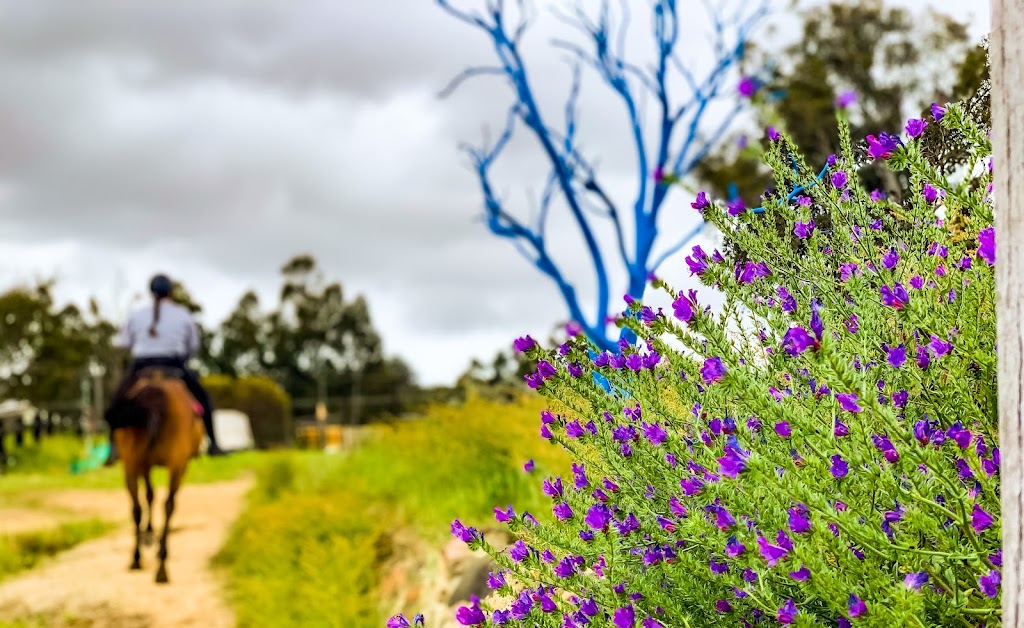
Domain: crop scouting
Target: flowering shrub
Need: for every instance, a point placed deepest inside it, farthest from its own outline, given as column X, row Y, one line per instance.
column 823, row 451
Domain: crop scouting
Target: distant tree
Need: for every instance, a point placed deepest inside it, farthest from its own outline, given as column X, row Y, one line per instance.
column 46, row 350
column 896, row 63
column 314, row 342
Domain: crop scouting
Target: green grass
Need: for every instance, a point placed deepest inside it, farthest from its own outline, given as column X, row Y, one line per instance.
column 46, row 466
column 19, row 552
column 308, row 549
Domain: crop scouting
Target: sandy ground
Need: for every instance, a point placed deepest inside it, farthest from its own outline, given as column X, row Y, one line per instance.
column 91, row 585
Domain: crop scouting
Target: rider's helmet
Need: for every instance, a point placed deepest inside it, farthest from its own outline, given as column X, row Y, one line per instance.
column 161, row 286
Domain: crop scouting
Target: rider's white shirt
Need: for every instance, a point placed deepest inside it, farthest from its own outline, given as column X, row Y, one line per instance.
column 176, row 332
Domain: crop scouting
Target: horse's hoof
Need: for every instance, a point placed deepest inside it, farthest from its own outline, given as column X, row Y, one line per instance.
column 161, row 576
column 136, row 566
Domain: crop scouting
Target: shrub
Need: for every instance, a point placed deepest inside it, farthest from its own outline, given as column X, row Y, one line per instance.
column 262, row 399
column 822, row 451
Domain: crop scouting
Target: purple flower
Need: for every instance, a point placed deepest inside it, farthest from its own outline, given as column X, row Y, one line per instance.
column 734, row 548
column 846, row 98
column 732, row 464
column 519, row 551
column 718, row 568
column 624, row 617
column 840, row 429
column 980, row 520
column 788, row 302
column 798, row 521
column 987, row 245
column 528, row 465
column 723, row 519
column 939, row 346
column 881, row 147
column 398, row 621
column 697, row 261
column 562, row 511
column 524, row 344
column 747, row 86
column 938, row 112
column 573, row 429
column 655, row 434
column 990, row 584
column 545, row 369
column 849, row 402
column 839, row 467
column 895, row 297
column 713, row 370
column 722, row 606
column 797, row 340
column 736, row 207
column 915, row 127
column 801, row 575
column 923, row 359
column 877, row 195
column 773, row 135
column 846, row 271
column 959, row 435
column 890, row 259
column 504, row 516
column 685, row 307
column 496, row 580
column 783, row 430
column 752, row 271
column 803, row 230
column 598, row 517
column 896, row 356
column 914, row 581
column 771, row 553
column 856, row 606
column 471, row 615
column 787, row 614
column 930, row 193
column 839, row 180
column 701, row 202
column 464, row 533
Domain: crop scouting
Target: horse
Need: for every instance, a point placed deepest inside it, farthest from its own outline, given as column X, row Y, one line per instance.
column 165, row 428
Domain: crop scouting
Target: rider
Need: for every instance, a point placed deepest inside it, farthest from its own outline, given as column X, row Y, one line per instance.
column 164, row 335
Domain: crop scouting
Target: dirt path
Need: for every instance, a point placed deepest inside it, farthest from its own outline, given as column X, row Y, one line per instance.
column 91, row 586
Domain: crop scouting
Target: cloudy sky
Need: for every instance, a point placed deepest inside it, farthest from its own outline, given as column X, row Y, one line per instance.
column 215, row 139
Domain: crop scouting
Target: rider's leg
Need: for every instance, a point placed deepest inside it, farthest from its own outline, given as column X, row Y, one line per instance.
column 203, row 398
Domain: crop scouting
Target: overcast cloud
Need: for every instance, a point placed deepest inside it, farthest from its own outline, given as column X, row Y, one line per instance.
column 214, row 140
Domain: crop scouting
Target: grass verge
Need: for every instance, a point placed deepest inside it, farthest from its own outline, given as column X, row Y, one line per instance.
column 19, row 552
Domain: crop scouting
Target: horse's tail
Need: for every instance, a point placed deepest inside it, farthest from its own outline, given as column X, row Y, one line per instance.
column 154, row 400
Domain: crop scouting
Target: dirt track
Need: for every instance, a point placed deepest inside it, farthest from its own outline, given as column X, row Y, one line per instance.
column 91, row 586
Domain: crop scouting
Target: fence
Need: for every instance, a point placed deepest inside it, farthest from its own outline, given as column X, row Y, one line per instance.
column 33, row 425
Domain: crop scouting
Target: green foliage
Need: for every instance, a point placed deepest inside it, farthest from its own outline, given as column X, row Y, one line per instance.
column 19, row 552
column 264, row 401
column 813, row 452
column 308, row 549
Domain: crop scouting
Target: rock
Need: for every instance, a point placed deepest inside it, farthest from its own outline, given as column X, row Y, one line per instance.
column 473, row 580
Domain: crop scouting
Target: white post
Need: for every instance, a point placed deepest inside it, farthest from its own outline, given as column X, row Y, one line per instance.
column 1007, row 53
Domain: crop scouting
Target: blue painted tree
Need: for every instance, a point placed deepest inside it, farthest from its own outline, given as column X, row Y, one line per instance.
column 678, row 141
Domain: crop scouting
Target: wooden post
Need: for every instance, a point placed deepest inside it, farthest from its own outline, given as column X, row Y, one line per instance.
column 1007, row 54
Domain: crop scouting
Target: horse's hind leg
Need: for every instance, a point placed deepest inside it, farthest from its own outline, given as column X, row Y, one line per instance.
column 148, row 536
column 132, row 482
column 176, row 475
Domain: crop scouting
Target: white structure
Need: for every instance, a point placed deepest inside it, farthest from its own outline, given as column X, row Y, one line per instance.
column 233, row 430
column 13, row 408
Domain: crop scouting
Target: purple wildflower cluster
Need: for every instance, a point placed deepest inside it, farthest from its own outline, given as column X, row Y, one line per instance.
column 826, row 455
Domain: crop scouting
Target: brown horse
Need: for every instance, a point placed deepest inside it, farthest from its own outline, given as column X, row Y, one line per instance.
column 166, row 431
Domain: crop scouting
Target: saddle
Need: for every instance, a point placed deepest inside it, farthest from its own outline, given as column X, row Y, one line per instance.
column 125, row 412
